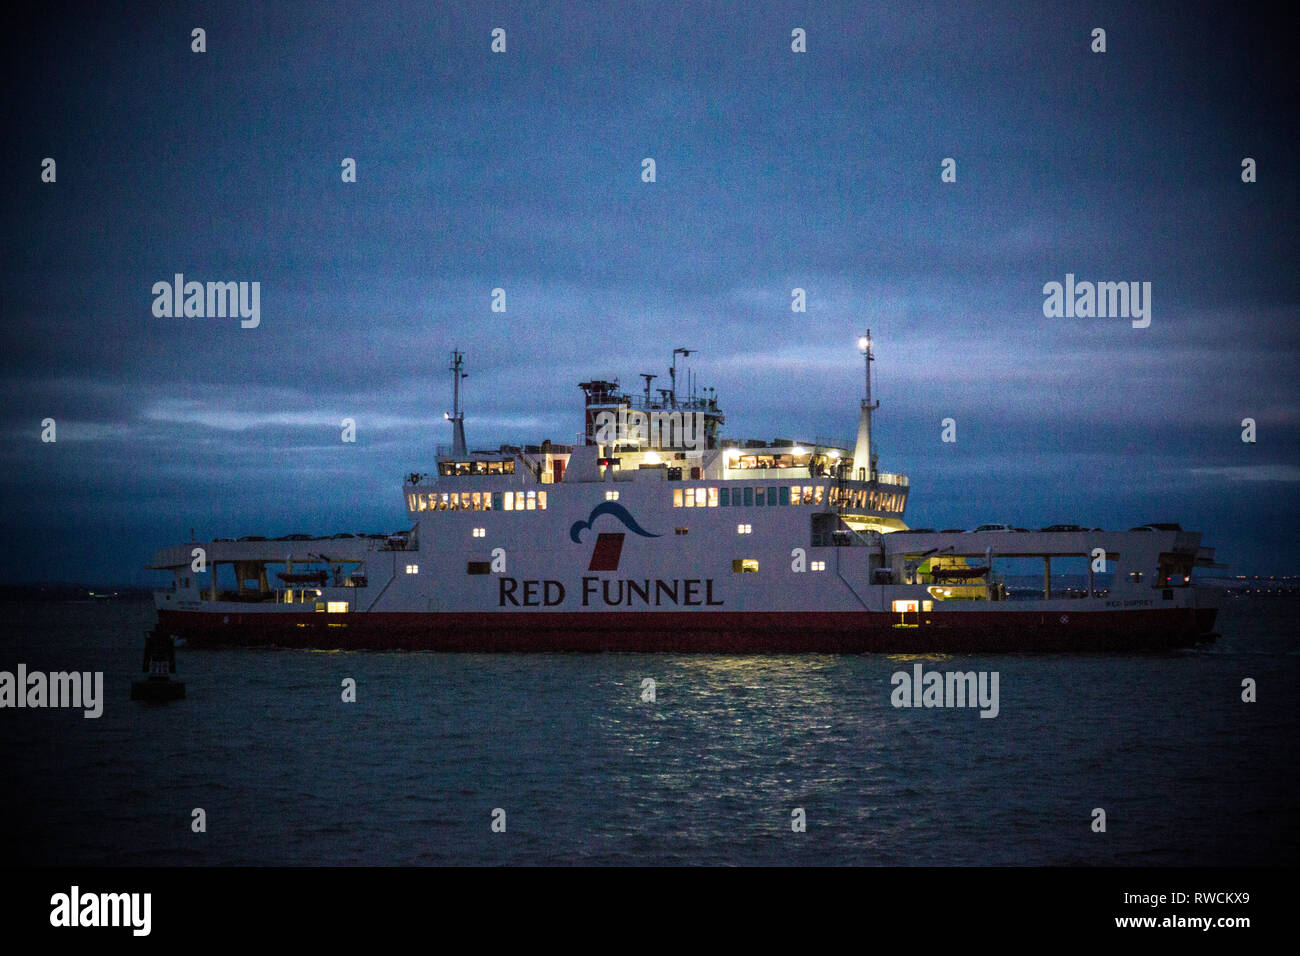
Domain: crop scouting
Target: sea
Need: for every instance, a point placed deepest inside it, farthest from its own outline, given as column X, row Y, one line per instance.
column 651, row 759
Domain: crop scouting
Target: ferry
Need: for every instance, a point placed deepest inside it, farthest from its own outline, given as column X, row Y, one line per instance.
column 652, row 532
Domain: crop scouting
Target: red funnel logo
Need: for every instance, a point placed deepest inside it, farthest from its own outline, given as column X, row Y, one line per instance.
column 604, row 557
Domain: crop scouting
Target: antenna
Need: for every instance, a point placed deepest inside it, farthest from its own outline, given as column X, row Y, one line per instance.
column 648, row 379
column 672, row 371
column 864, row 454
column 457, row 416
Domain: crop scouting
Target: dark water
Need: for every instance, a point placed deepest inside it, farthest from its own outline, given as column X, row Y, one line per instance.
column 709, row 773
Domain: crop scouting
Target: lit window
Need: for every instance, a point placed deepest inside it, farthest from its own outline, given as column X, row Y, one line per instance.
column 412, row 569
column 820, row 490
column 519, row 500
column 480, row 532
column 817, row 565
column 713, row 497
column 541, row 501
column 744, row 565
column 510, row 501
column 927, row 606
column 611, row 496
column 336, row 607
column 532, row 500
column 744, row 529
column 682, row 530
column 677, row 497
column 905, row 607
column 410, row 502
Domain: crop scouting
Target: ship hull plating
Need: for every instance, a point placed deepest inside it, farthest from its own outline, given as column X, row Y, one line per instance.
column 713, row 633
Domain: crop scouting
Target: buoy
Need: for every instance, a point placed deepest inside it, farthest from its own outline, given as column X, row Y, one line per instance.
column 159, row 663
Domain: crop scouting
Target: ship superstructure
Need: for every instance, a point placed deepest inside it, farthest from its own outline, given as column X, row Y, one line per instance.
column 653, row 532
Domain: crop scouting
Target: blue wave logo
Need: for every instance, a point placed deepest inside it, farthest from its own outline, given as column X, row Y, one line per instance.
column 614, row 509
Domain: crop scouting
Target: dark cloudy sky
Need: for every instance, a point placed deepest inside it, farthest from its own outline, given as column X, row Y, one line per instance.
column 522, row 171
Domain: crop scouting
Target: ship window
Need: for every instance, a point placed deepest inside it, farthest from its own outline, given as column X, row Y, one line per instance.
column 611, row 496
column 785, row 495
column 690, row 497
column 480, row 532
column 532, row 500
column 541, row 501
column 1136, row 576
column 725, row 496
column 494, row 468
column 681, row 530
column 510, row 501
column 744, row 565
column 478, row 567
column 412, row 569
column 508, row 467
column 816, row 565
column 713, row 497
column 336, row 607
column 759, row 497
column 744, row 529
column 927, row 606
column 495, row 503
column 820, row 490
column 410, row 502
column 749, row 496
column 677, row 497
column 771, row 496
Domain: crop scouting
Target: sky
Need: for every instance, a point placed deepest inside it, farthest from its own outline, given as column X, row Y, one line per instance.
column 523, row 170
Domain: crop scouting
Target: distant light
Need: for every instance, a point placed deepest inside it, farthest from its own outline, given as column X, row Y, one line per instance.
column 447, row 415
column 864, row 343
column 798, row 450
column 733, row 454
column 833, row 453
column 651, row 458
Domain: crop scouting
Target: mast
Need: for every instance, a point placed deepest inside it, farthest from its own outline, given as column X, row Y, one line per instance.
column 864, row 456
column 457, row 416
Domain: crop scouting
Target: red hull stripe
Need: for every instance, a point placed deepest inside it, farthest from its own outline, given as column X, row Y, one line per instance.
column 693, row 632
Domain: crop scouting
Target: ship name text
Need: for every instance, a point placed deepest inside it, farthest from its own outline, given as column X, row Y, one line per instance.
column 609, row 592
